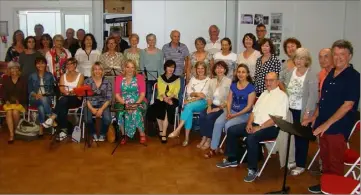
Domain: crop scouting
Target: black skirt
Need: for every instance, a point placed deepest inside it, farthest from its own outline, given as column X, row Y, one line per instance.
column 159, row 108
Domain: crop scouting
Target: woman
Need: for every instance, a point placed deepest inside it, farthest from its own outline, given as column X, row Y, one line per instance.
column 165, row 105
column 46, row 44
column 133, row 53
column 16, row 48
column 98, row 105
column 250, row 55
column 302, row 90
column 290, row 46
column 110, row 58
column 57, row 57
column 130, row 93
column 265, row 64
column 87, row 55
column 240, row 100
column 151, row 60
column 14, row 97
column 27, row 58
column 227, row 56
column 41, row 83
column 197, row 89
column 217, row 102
column 199, row 56
column 70, row 80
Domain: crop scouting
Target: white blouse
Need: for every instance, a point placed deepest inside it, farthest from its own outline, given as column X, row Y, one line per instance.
column 250, row 61
column 196, row 85
column 295, row 90
column 85, row 61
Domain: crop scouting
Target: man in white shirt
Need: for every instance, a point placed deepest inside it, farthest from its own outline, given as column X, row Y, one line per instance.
column 213, row 44
column 259, row 127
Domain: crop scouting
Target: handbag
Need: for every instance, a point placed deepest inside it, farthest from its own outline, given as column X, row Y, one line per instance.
column 26, row 128
column 111, row 134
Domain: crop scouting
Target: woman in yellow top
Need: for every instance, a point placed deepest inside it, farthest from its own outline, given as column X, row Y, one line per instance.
column 167, row 101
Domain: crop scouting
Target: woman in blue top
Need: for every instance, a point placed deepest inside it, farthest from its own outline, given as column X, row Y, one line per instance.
column 240, row 100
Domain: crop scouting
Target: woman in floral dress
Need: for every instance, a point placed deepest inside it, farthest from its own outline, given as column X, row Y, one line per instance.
column 57, row 57
column 130, row 93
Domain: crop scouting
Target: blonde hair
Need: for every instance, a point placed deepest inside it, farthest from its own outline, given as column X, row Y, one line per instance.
column 16, row 65
column 134, row 36
column 126, row 62
column 303, row 52
column 97, row 63
column 204, row 65
column 58, row 36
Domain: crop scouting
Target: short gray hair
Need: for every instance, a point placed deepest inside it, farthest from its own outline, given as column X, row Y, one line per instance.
column 214, row 26
column 150, row 35
column 344, row 44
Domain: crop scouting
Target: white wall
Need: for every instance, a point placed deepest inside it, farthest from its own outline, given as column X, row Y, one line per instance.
column 353, row 30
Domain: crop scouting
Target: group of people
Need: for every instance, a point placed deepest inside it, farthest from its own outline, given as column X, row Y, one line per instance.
column 231, row 93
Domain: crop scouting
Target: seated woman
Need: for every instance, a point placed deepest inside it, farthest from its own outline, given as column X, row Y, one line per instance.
column 240, row 100
column 98, row 105
column 41, row 83
column 197, row 89
column 167, row 101
column 130, row 93
column 68, row 81
column 14, row 97
column 217, row 97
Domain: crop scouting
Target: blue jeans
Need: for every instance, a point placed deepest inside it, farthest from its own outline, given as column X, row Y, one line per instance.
column 44, row 107
column 221, row 123
column 106, row 119
column 189, row 109
column 301, row 144
column 181, row 91
column 252, row 141
column 207, row 121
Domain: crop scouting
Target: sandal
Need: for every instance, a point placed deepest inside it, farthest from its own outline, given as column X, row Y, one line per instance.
column 297, row 171
column 123, row 140
column 143, row 139
column 210, row 153
column 163, row 139
column 206, row 146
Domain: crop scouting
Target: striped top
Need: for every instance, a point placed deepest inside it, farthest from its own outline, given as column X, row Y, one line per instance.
column 178, row 54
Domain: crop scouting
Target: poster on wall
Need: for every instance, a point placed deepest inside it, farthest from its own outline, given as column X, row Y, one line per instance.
column 276, row 37
column 265, row 20
column 4, row 31
column 276, row 21
column 246, row 19
column 277, row 49
column 258, row 19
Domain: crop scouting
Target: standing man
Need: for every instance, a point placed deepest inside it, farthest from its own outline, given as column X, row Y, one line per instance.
column 213, row 44
column 70, row 40
column 179, row 53
column 74, row 47
column 39, row 31
column 326, row 62
column 261, row 32
column 123, row 45
column 335, row 114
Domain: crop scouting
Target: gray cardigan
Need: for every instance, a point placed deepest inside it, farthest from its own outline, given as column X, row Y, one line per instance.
column 310, row 91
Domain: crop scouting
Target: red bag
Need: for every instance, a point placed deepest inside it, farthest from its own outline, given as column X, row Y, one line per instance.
column 83, row 90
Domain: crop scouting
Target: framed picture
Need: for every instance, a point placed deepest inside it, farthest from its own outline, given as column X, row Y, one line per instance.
column 4, row 30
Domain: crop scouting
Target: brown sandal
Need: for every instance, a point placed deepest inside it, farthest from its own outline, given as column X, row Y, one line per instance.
column 210, row 154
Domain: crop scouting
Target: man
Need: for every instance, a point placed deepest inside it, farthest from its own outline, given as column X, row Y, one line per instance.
column 335, row 114
column 70, row 40
column 259, row 126
column 178, row 52
column 123, row 45
column 261, row 32
column 39, row 31
column 80, row 34
column 213, row 44
column 326, row 63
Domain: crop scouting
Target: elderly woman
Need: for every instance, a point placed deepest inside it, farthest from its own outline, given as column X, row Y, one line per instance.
column 40, row 84
column 290, row 46
column 27, row 58
column 98, row 105
column 227, row 56
column 70, row 80
column 197, row 89
column 57, row 56
column 302, row 90
column 265, row 64
column 130, row 93
column 16, row 47
column 14, row 97
column 151, row 59
column 111, row 59
column 217, row 102
column 200, row 55
column 240, row 100
column 46, row 43
column 165, row 105
column 87, row 55
column 133, row 53
column 250, row 55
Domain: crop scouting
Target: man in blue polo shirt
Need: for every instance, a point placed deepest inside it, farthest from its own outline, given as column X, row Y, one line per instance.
column 335, row 114
column 179, row 53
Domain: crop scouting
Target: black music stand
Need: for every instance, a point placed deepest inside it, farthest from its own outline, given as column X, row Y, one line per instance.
column 291, row 129
column 126, row 107
column 113, row 70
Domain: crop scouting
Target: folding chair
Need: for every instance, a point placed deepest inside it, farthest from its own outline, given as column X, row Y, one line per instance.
column 2, row 112
column 34, row 109
column 335, row 184
column 351, row 157
column 356, row 127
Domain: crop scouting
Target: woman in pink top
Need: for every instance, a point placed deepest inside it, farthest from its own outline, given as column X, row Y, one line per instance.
column 130, row 93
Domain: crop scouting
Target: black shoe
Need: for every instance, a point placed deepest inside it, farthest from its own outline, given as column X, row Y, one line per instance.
column 163, row 139
column 40, row 136
column 315, row 189
column 10, row 141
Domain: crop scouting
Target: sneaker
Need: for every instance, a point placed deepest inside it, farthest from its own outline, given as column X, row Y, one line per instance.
column 48, row 123
column 297, row 171
column 95, row 137
column 101, row 138
column 251, row 176
column 291, row 165
column 62, row 136
column 226, row 164
column 315, row 189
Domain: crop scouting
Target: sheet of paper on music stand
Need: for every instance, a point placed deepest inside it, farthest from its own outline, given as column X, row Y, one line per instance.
column 4, row 31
